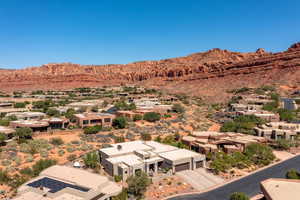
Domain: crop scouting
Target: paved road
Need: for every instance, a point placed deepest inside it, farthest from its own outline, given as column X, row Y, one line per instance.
column 289, row 104
column 248, row 185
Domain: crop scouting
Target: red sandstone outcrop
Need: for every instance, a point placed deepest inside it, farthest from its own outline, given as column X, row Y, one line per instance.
column 213, row 64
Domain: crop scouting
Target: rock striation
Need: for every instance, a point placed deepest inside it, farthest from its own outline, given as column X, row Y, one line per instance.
column 213, row 64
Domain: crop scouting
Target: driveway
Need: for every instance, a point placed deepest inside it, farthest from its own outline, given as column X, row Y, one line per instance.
column 249, row 184
column 200, row 179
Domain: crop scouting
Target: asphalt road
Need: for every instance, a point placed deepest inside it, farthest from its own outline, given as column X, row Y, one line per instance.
column 249, row 185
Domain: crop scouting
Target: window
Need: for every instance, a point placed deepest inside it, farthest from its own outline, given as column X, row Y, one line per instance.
column 107, row 120
column 85, row 121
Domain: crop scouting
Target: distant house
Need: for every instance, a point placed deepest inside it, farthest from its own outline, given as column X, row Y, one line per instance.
column 210, row 141
column 278, row 130
column 92, row 119
column 67, row 183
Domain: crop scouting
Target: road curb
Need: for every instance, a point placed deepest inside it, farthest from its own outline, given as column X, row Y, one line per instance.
column 232, row 180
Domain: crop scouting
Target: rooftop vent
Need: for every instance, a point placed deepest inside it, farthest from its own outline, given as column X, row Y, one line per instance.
column 119, row 147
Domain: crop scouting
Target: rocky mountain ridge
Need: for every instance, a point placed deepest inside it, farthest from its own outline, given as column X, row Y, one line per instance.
column 214, row 64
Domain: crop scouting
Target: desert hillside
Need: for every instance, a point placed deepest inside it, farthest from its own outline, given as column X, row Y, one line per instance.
column 209, row 74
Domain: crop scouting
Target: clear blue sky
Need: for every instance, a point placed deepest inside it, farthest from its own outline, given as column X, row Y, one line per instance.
column 35, row 32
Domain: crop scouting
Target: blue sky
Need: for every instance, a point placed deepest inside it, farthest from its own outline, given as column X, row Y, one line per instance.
column 35, row 32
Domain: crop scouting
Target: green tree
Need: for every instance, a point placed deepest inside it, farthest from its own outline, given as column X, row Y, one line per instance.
column 91, row 160
column 242, row 124
column 23, row 133
column 292, row 174
column 239, row 196
column 286, row 115
column 283, row 144
column 70, row 114
column 53, row 112
column 259, row 154
column 152, row 116
column 138, row 184
column 119, row 122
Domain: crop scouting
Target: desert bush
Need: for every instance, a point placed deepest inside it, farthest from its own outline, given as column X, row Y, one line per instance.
column 92, row 129
column 41, row 165
column 71, row 157
column 71, row 149
column 6, row 162
column 152, row 117
column 292, row 174
column 57, row 141
column 239, row 196
column 91, row 159
column 44, row 153
column 27, row 171
column 29, row 158
column 61, row 152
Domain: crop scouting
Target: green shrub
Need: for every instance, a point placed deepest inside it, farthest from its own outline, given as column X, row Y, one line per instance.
column 292, row 174
column 20, row 105
column 23, row 133
column 91, row 160
column 61, row 152
column 6, row 162
column 118, row 178
column 41, row 165
column 4, row 177
column 137, row 117
column 27, row 171
column 29, row 158
column 92, row 129
column 259, row 154
column 57, row 141
column 71, row 149
column 287, row 115
column 152, row 116
column 71, row 157
column 242, row 124
column 44, row 153
column 138, row 184
column 119, row 122
column 239, row 196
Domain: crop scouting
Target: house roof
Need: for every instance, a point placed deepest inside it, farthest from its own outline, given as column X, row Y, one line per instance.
column 279, row 189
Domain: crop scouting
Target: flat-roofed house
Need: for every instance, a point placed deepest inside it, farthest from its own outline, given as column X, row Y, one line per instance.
column 128, row 158
column 278, row 130
column 280, row 189
column 92, row 119
column 210, row 141
column 67, row 183
column 35, row 125
column 28, row 115
column 7, row 131
column 268, row 116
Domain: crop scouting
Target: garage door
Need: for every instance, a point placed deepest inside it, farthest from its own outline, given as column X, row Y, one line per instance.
column 181, row 167
column 199, row 164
